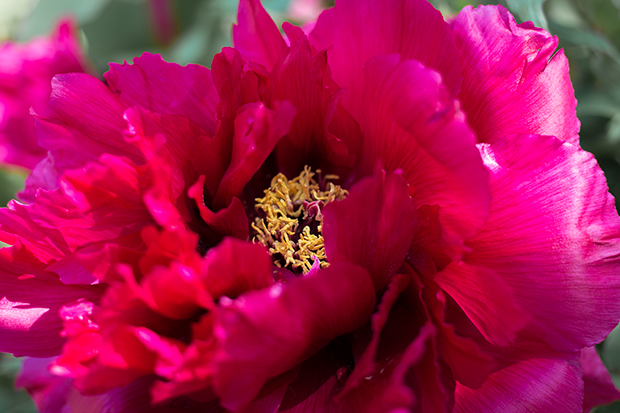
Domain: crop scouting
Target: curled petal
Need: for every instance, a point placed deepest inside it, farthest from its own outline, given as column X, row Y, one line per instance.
column 159, row 86
column 223, row 273
column 514, row 81
column 257, row 131
column 553, row 195
column 29, row 304
column 551, row 385
column 412, row 124
column 230, row 221
column 355, row 30
column 373, row 227
column 486, row 299
column 256, row 36
column 322, row 130
column 266, row 333
column 83, row 120
column 598, row 388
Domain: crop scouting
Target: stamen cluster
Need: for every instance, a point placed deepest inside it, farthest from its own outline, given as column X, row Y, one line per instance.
column 292, row 225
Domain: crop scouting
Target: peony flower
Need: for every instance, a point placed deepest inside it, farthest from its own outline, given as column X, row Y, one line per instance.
column 390, row 214
column 25, row 75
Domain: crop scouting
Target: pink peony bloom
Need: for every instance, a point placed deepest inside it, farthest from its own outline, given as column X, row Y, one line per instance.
column 26, row 72
column 180, row 250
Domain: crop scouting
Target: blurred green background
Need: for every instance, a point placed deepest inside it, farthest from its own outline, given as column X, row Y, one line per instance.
column 113, row 30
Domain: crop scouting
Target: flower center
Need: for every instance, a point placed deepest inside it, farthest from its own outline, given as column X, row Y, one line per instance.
column 292, row 223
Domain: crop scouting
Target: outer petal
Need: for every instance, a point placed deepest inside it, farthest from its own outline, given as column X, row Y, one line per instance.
column 256, row 36
column 534, row 385
column 85, row 209
column 356, row 30
column 373, row 227
column 31, row 299
column 178, row 150
column 598, row 388
column 412, row 124
column 265, row 333
column 48, row 392
column 553, row 237
column 83, row 121
column 134, row 398
column 513, row 79
column 163, row 87
column 486, row 299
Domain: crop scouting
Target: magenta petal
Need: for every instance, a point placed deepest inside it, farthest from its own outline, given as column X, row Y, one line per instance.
column 230, row 221
column 411, row 123
column 257, row 131
column 467, row 362
column 486, row 299
column 533, row 385
column 598, row 388
column 84, row 210
column 513, row 79
column 83, row 120
column 134, row 398
column 256, row 36
column 223, row 273
column 372, row 227
column 163, row 87
column 174, row 147
column 175, row 291
column 29, row 305
column 356, row 30
column 553, row 195
column 267, row 332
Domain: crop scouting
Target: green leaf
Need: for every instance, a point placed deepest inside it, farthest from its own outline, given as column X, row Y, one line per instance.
column 587, row 38
column 531, row 10
column 11, row 182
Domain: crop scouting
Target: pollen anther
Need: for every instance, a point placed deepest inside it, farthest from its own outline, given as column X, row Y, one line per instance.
column 291, row 228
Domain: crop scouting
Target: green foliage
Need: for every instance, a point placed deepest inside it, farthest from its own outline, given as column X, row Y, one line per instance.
column 531, row 10
column 12, row 401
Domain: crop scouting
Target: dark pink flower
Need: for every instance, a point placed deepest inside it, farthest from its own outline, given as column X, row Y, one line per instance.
column 26, row 71
column 458, row 250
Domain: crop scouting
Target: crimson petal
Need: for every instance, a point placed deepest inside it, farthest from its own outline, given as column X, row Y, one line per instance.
column 372, row 227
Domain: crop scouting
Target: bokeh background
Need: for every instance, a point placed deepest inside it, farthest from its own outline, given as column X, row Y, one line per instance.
column 192, row 31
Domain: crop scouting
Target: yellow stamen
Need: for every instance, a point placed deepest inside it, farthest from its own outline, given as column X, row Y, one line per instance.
column 283, row 205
